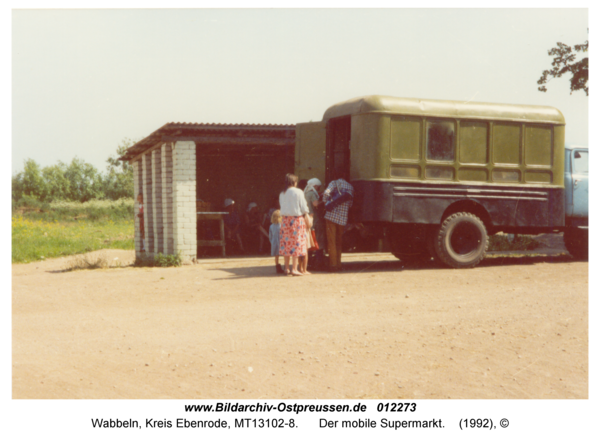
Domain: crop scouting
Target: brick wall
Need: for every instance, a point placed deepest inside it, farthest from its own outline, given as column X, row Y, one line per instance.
column 157, row 204
column 167, row 197
column 137, row 184
column 148, row 201
column 184, row 199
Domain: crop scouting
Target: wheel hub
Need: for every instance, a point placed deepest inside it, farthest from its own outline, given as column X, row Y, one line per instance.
column 465, row 239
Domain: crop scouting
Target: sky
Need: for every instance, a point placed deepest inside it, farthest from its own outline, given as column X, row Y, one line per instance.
column 84, row 80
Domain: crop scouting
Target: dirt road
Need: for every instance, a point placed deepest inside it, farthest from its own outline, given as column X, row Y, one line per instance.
column 510, row 328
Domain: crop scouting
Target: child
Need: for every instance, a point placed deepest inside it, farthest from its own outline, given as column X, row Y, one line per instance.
column 140, row 200
column 274, row 238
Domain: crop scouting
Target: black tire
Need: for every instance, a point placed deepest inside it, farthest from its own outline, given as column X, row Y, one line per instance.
column 576, row 241
column 461, row 241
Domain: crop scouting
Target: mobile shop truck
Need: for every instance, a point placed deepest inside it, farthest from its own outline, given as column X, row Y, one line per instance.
column 436, row 178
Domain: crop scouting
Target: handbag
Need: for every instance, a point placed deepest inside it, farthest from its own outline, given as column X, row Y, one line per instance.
column 338, row 198
column 313, row 245
column 311, row 239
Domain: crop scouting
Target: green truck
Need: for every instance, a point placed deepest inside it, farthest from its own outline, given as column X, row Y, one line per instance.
column 436, row 178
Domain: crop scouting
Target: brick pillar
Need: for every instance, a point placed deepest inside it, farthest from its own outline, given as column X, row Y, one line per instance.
column 167, row 197
column 136, row 221
column 148, row 215
column 184, row 200
column 157, row 203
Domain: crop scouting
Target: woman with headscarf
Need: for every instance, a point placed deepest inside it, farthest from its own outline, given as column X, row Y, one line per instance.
column 311, row 193
column 293, row 231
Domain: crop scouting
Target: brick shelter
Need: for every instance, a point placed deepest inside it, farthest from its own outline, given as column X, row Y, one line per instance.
column 181, row 163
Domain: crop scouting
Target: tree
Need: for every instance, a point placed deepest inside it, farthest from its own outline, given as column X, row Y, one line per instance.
column 77, row 181
column 32, row 183
column 17, row 187
column 85, row 182
column 118, row 182
column 58, row 187
column 564, row 62
column 121, row 165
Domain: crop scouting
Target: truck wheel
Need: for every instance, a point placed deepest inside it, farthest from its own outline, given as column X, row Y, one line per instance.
column 461, row 241
column 576, row 241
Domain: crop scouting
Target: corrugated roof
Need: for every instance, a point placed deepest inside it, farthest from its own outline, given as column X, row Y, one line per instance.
column 186, row 129
column 229, row 125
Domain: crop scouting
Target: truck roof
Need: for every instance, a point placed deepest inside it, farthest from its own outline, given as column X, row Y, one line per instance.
column 435, row 108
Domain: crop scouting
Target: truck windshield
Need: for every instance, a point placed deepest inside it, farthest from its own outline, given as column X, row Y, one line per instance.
column 580, row 162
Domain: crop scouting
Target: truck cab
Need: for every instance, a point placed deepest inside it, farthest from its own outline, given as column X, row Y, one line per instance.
column 576, row 201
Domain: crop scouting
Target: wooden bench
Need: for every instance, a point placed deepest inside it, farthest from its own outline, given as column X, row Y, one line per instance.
column 213, row 216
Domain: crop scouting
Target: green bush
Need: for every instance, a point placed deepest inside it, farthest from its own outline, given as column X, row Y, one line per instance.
column 520, row 243
column 161, row 260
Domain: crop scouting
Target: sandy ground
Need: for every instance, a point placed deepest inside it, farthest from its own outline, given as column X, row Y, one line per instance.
column 514, row 327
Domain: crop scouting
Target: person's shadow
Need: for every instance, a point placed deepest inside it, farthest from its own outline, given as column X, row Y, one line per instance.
column 386, row 266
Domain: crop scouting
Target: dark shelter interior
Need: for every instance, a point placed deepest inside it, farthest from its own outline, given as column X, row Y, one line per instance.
column 246, row 163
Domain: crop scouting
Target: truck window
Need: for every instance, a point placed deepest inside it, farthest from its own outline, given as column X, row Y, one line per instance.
column 406, row 138
column 440, row 140
column 580, row 162
column 538, row 145
column 473, row 141
column 506, row 141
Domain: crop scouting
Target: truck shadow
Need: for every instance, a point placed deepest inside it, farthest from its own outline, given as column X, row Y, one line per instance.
column 371, row 266
column 497, row 261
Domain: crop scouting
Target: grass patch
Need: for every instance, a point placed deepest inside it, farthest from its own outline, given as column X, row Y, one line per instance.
column 500, row 243
column 61, row 229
